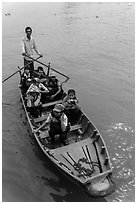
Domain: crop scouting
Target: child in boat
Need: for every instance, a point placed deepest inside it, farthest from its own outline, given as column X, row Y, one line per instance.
column 55, row 88
column 70, row 100
column 25, row 77
column 58, row 124
column 72, row 109
column 34, row 104
column 40, row 74
column 41, row 86
column 43, row 89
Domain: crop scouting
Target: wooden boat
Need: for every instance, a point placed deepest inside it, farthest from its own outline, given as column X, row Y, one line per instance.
column 85, row 159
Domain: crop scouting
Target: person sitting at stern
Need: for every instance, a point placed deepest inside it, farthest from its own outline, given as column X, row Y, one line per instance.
column 58, row 124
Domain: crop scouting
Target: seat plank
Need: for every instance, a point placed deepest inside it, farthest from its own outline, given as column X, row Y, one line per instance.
column 75, row 127
column 37, row 120
column 51, row 103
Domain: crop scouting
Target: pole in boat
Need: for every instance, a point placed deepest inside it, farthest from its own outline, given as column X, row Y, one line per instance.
column 20, row 69
column 47, row 67
column 99, row 163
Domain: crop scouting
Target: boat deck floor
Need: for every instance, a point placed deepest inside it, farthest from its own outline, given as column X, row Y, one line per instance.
column 72, row 138
column 80, row 153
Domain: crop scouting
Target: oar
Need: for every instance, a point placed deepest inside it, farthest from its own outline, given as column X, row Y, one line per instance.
column 72, row 165
column 99, row 163
column 90, row 162
column 20, row 69
column 93, row 163
column 75, row 164
column 48, row 67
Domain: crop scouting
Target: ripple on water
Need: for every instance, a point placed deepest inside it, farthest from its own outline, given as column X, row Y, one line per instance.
column 122, row 154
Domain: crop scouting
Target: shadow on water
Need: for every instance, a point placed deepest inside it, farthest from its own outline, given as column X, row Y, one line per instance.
column 76, row 195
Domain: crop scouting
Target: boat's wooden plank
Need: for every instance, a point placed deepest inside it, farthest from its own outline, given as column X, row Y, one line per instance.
column 79, row 156
column 101, row 157
column 75, row 127
column 72, row 146
column 42, row 118
column 44, row 134
column 76, row 149
column 51, row 103
column 77, row 152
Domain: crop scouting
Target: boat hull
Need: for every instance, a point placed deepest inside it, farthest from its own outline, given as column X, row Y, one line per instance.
column 85, row 160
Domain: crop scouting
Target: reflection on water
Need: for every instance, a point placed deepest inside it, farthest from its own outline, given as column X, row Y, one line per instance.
column 121, row 138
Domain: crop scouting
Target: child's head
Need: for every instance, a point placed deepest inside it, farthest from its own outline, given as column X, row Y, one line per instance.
column 34, row 94
column 35, row 81
column 52, row 81
column 26, row 70
column 40, row 69
column 71, row 93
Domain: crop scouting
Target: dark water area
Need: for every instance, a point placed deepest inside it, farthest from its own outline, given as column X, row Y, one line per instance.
column 94, row 44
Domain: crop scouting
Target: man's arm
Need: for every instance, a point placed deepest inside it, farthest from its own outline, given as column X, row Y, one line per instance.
column 44, row 124
column 23, row 46
column 45, row 89
column 64, row 122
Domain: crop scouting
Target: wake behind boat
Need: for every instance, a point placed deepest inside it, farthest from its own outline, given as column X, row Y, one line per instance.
column 85, row 158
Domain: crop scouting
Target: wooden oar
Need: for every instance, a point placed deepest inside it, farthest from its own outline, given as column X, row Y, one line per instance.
column 89, row 162
column 20, row 69
column 72, row 165
column 99, row 163
column 75, row 163
column 48, row 67
column 93, row 163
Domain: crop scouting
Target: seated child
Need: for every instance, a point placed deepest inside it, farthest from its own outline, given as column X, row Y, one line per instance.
column 55, row 89
column 43, row 89
column 33, row 99
column 24, row 78
column 72, row 109
column 40, row 74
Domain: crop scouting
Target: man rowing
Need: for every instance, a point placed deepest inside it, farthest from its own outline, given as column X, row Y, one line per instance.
column 28, row 45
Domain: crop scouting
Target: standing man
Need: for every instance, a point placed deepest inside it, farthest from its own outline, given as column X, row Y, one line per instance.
column 28, row 45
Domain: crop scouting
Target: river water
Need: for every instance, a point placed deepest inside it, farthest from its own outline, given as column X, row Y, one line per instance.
column 92, row 43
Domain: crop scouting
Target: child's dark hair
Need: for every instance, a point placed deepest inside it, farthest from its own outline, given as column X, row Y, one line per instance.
column 28, row 28
column 71, row 91
column 40, row 68
column 26, row 68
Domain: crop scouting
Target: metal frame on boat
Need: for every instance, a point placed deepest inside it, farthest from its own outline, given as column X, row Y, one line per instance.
column 85, row 159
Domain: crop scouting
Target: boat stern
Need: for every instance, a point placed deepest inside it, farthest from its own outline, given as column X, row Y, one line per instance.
column 100, row 188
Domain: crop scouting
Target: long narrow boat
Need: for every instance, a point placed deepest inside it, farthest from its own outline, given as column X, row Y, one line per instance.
column 85, row 159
